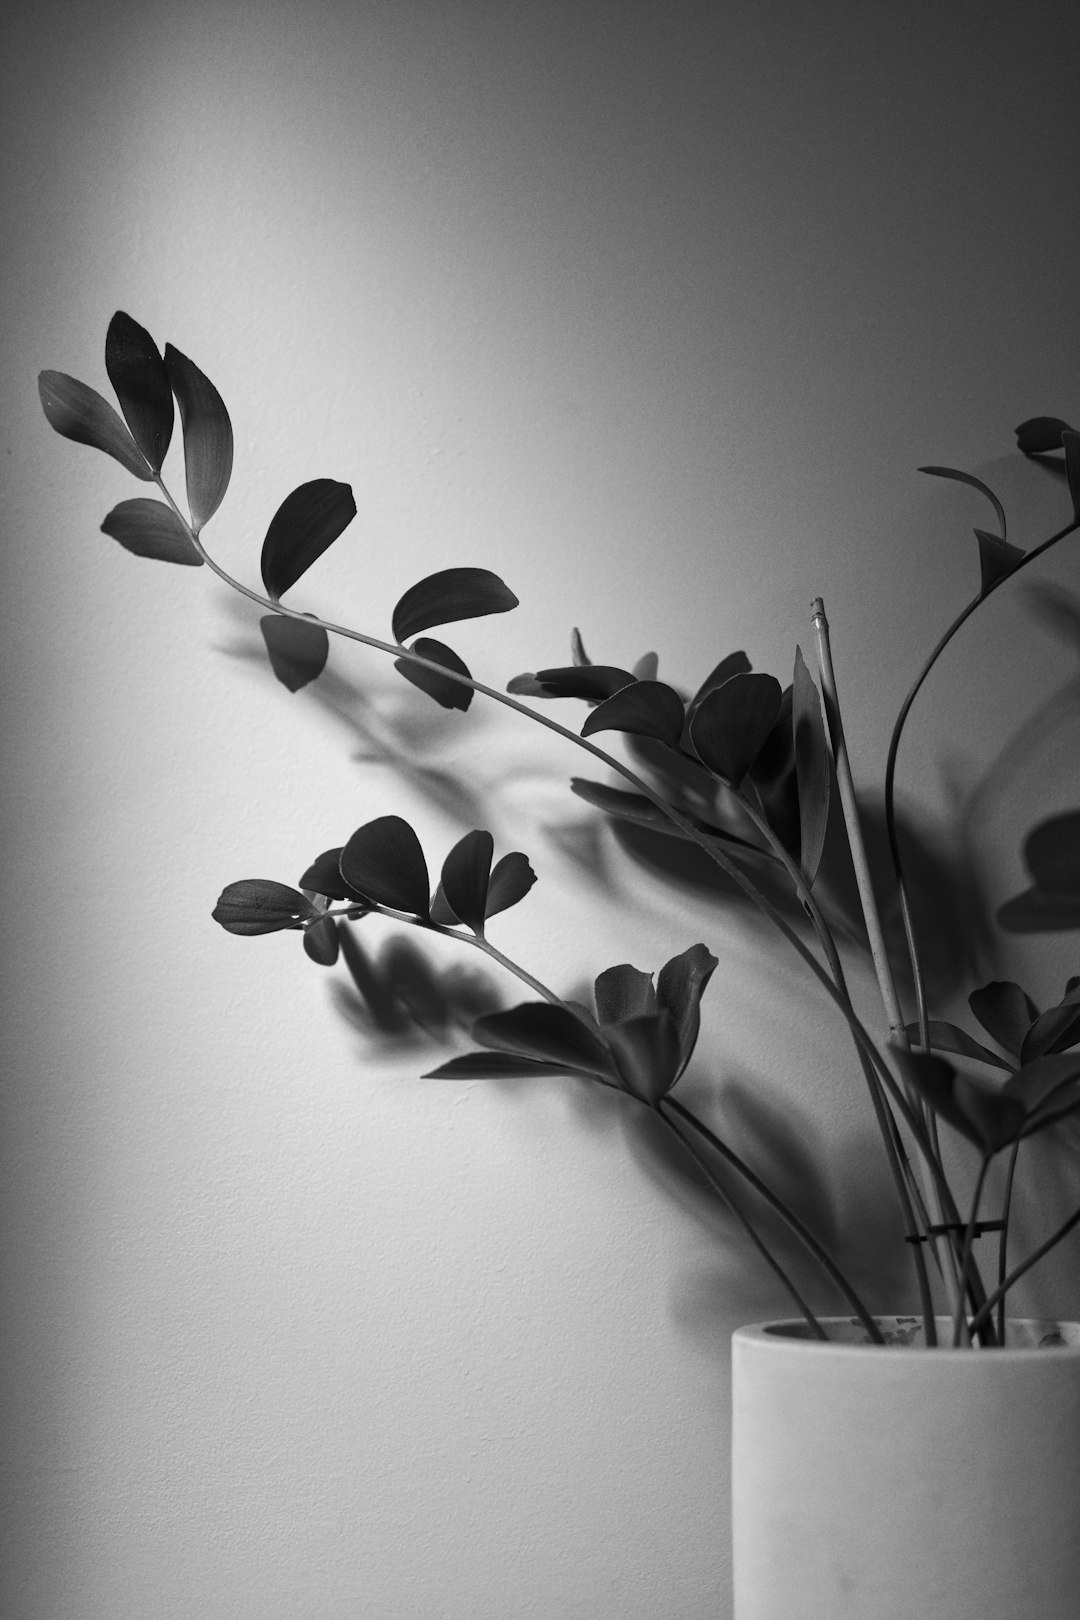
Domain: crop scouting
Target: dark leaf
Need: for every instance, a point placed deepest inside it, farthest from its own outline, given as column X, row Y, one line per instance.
column 443, row 688
column 151, row 529
column 304, row 525
column 647, row 1054
column 550, row 1034
column 623, row 992
column 137, row 372
column 1042, row 1083
column 465, row 875
column 735, row 663
column 945, row 1037
column 1005, row 1011
column 987, row 1118
column 646, row 708
column 493, row 1066
column 323, row 877
column 1071, row 442
column 1039, row 434
column 208, row 436
column 384, row 862
column 976, row 483
column 321, row 941
column 679, row 989
column 450, row 595
column 511, row 879
column 732, row 723
column 1053, row 1031
column 812, row 767
column 80, row 413
column 297, row 649
column 593, row 682
column 578, row 655
column 260, row 906
column 996, row 559
column 440, row 912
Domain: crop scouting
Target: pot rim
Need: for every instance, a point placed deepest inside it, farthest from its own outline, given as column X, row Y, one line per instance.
column 793, row 1336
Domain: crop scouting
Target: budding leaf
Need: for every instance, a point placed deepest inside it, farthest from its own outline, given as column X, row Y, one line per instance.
column 151, row 529
column 137, row 372
column 996, row 559
column 811, row 767
column 384, row 862
column 452, row 594
column 208, row 436
column 260, row 906
column 304, row 525
column 80, row 413
column 297, row 649
column 450, row 693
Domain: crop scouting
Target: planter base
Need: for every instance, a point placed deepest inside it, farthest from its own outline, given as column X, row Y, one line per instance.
column 899, row 1482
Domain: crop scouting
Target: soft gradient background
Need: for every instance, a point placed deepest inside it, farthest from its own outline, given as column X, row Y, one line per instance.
column 655, row 310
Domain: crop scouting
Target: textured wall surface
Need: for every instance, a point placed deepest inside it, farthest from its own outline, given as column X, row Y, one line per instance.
column 654, row 310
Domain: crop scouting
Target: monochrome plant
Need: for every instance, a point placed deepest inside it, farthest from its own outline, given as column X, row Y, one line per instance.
column 747, row 770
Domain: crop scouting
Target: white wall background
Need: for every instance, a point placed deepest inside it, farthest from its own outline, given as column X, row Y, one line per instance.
column 654, row 310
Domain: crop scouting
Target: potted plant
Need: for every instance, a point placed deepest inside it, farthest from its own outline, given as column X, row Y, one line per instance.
column 927, row 1463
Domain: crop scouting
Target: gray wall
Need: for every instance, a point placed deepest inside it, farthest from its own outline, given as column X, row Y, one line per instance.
column 654, row 310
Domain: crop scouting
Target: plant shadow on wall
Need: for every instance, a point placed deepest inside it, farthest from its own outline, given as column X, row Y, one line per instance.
column 741, row 788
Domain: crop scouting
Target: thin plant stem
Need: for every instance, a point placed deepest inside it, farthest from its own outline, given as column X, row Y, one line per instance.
column 871, row 915
column 802, row 1232
column 960, row 1329
column 725, row 1196
column 1003, row 1241
column 985, row 1311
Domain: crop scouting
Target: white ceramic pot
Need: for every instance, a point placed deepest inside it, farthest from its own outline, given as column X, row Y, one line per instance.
column 905, row 1483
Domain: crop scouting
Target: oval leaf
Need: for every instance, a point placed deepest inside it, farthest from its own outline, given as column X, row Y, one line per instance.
column 550, row 1034
column 946, row 1037
column 1005, row 1011
column 593, row 682
column 384, row 862
column 1039, row 434
column 321, row 941
column 304, row 525
column 679, row 989
column 645, row 708
column 324, row 877
column 511, row 879
column 137, row 372
column 151, row 529
column 996, row 559
column 298, row 650
column 735, row 663
column 208, row 436
column 732, row 723
column 647, row 1055
column 1053, row 1031
column 261, row 906
column 80, row 413
column 623, row 992
column 492, row 1066
column 812, row 767
column 450, row 595
column 449, row 693
column 465, row 875
column 975, row 483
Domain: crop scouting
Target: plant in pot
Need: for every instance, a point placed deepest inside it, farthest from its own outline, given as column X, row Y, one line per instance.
column 921, row 1463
